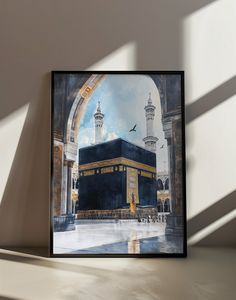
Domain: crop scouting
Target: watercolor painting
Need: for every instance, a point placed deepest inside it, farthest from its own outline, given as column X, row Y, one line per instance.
column 118, row 164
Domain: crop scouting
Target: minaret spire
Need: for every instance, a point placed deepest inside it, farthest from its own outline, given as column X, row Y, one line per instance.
column 149, row 99
column 150, row 140
column 98, row 108
column 98, row 120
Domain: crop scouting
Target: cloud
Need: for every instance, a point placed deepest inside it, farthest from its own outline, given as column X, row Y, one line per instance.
column 85, row 137
column 109, row 136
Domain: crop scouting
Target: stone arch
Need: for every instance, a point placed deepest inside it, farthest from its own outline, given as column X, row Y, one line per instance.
column 72, row 124
column 167, row 205
column 159, row 206
column 82, row 98
column 167, row 184
column 78, row 107
column 160, row 186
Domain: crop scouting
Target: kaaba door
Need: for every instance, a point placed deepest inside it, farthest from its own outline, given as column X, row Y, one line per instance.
column 132, row 196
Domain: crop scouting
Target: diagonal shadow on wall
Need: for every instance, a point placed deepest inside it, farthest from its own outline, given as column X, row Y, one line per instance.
column 211, row 100
column 8, row 298
column 222, row 237
column 24, row 210
column 212, row 214
column 24, row 214
column 66, row 41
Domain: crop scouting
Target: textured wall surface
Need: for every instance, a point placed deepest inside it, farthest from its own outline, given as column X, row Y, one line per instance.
column 39, row 36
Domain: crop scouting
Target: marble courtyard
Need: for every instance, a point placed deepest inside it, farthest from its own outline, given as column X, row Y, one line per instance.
column 111, row 237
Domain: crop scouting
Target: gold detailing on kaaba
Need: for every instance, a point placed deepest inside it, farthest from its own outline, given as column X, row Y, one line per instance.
column 107, row 170
column 132, row 195
column 118, row 213
column 146, row 174
column 122, row 161
column 89, row 172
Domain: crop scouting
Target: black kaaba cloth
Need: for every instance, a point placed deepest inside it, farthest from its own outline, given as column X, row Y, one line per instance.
column 103, row 175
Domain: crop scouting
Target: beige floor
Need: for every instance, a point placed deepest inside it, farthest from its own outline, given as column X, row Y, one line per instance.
column 206, row 274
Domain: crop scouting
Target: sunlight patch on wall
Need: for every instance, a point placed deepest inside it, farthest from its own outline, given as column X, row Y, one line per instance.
column 10, row 132
column 209, row 47
column 123, row 58
column 209, row 60
column 211, row 157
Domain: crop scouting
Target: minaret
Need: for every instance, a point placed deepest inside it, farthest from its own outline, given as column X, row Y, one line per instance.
column 98, row 118
column 150, row 140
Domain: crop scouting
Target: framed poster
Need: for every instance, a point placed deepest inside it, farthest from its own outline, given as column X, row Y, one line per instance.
column 118, row 164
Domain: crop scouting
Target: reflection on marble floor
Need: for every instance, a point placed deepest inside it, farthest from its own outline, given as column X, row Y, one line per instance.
column 123, row 236
column 158, row 244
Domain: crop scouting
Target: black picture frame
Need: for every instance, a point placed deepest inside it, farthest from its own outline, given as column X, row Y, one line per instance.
column 85, row 75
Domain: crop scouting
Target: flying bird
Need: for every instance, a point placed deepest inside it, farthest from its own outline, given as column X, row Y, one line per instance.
column 134, row 128
column 162, row 146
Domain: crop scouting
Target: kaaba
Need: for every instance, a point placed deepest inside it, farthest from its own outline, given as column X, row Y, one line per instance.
column 115, row 173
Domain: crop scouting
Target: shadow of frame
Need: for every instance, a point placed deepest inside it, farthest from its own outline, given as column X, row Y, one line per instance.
column 26, row 196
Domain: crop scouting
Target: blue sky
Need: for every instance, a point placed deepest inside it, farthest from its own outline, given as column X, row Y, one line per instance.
column 122, row 99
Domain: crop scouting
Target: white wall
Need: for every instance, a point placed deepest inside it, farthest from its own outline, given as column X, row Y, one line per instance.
column 39, row 36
